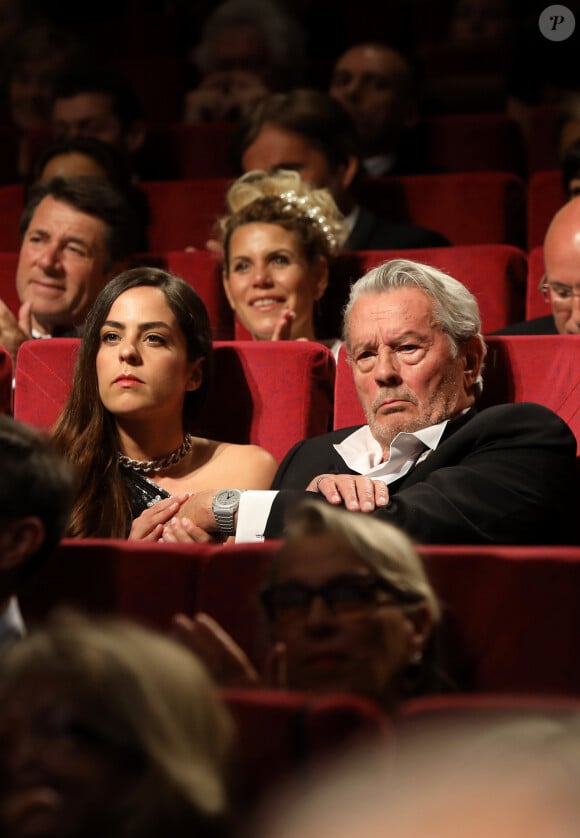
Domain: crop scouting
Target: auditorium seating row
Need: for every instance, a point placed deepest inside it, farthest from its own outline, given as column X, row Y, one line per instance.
column 458, row 142
column 503, row 278
column 510, row 614
column 492, row 207
column 287, row 391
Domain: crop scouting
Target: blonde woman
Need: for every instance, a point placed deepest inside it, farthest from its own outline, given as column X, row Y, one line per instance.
column 278, row 240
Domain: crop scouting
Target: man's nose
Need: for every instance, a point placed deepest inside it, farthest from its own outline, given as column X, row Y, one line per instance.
column 387, row 367
column 50, row 257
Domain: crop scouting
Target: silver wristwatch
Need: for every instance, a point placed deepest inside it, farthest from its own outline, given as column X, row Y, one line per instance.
column 224, row 506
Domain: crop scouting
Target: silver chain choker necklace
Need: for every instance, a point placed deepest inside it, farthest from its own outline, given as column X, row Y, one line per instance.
column 160, row 463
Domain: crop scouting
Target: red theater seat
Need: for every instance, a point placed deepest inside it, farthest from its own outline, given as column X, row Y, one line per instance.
column 11, row 207
column 518, row 368
column 8, row 293
column 271, row 394
column 545, row 197
column 468, row 208
column 287, row 736
column 5, row 382
column 203, row 150
column 144, row 581
column 184, row 212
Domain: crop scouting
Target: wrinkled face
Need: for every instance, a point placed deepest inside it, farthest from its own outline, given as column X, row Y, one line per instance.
column 59, row 778
column 405, row 373
column 142, row 366
column 276, row 148
column 562, row 260
column 72, row 164
column 87, row 115
column 241, row 47
column 366, row 649
column 370, row 82
column 269, row 273
column 62, row 264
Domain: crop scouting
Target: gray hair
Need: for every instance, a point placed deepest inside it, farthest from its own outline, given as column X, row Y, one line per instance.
column 455, row 307
column 382, row 546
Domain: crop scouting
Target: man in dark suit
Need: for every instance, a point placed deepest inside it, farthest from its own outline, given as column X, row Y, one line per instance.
column 427, row 460
column 561, row 282
column 310, row 132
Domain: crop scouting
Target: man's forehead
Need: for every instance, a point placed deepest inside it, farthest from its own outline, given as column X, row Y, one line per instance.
column 59, row 216
column 408, row 302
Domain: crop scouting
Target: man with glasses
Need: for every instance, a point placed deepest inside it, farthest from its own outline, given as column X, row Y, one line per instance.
column 560, row 284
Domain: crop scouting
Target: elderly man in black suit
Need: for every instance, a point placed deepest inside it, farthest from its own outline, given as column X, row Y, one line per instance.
column 427, row 460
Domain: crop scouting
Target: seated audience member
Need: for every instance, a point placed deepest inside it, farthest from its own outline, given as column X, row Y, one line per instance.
column 77, row 233
column 309, row 131
column 278, row 240
column 90, row 157
column 99, row 103
column 375, row 84
column 36, row 492
column 349, row 607
column 35, row 57
column 142, row 369
column 428, row 460
column 109, row 728
column 561, row 282
column 247, row 48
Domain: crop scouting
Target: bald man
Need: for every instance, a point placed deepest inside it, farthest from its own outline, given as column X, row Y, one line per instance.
column 375, row 84
column 561, row 282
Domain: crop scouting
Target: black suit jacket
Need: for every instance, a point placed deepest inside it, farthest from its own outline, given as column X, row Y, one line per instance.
column 505, row 475
column 374, row 233
column 536, row 326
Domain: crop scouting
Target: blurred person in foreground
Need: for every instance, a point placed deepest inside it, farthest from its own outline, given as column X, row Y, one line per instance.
column 36, row 494
column 349, row 609
column 110, row 729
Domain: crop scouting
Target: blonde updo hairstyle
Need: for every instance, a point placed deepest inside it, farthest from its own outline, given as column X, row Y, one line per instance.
column 283, row 198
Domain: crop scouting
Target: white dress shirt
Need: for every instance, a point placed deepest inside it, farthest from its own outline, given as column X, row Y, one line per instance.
column 11, row 624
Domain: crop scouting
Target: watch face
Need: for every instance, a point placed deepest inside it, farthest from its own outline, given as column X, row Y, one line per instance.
column 228, row 498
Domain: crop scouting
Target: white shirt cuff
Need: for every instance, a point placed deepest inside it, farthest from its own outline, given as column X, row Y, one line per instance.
column 253, row 514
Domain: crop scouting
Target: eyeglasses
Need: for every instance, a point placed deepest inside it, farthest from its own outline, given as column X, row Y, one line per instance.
column 345, row 595
column 560, row 293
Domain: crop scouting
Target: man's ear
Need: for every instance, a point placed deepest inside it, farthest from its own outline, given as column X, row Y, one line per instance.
column 20, row 538
column 473, row 359
column 135, row 136
column 349, row 171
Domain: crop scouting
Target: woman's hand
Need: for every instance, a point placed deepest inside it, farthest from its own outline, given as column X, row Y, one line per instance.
column 283, row 328
column 149, row 525
column 357, row 492
column 183, row 530
column 227, row 662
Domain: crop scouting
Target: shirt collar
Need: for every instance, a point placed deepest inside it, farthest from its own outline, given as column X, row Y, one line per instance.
column 362, row 453
column 11, row 624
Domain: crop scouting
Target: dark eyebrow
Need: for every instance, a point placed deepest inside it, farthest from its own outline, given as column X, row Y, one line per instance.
column 154, row 324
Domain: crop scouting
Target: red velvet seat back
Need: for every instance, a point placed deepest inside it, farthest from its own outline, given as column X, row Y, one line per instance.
column 184, row 212
column 144, row 581
column 5, row 382
column 468, row 208
column 8, row 292
column 11, row 207
column 271, row 394
column 545, row 197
